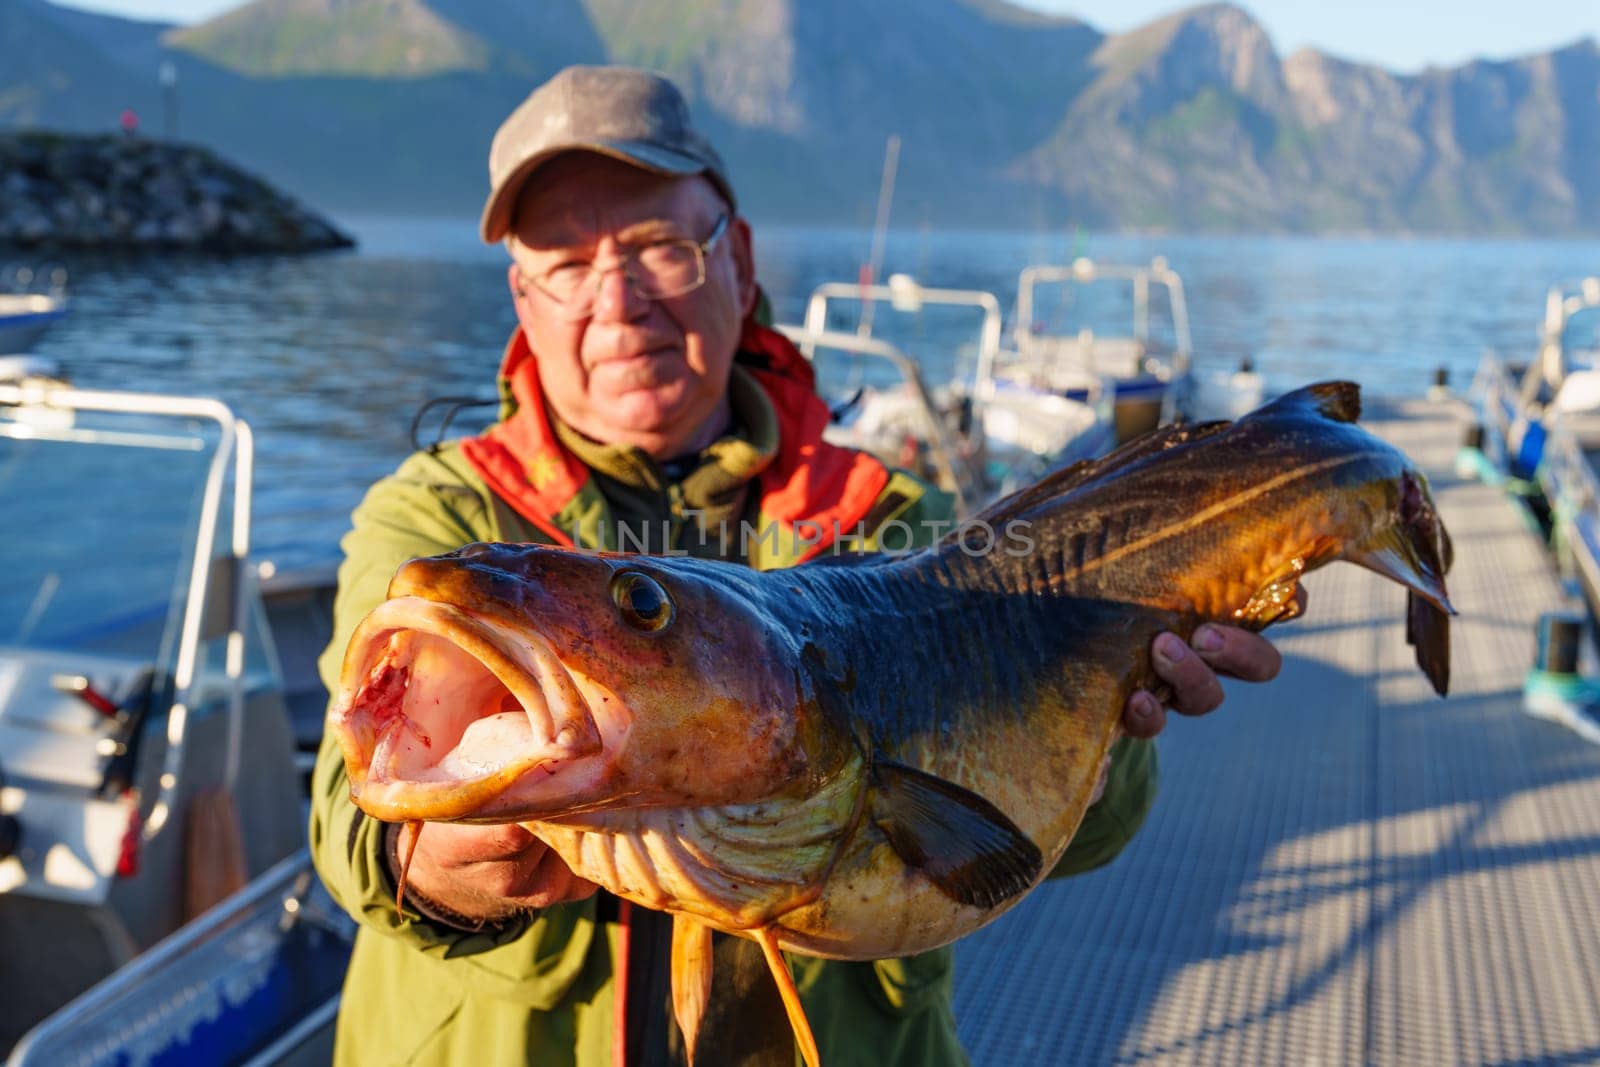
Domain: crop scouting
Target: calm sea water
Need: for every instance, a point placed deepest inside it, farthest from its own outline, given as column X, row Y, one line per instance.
column 329, row 356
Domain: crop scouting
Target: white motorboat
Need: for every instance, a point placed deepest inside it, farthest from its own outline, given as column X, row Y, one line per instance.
column 977, row 435
column 1058, row 339
column 31, row 302
column 1520, row 403
column 149, row 768
column 1559, row 439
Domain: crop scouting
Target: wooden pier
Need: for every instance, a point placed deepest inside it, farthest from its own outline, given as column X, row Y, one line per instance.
column 1341, row 868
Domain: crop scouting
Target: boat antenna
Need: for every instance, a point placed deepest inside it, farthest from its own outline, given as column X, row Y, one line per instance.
column 880, row 232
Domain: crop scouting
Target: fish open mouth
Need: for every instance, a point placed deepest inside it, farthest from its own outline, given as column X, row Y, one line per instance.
column 441, row 711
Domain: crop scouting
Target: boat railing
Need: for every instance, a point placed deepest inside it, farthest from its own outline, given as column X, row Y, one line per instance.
column 1501, row 409
column 48, row 278
column 1562, row 304
column 905, row 294
column 1085, row 271
column 1566, row 475
column 948, row 460
column 39, row 408
column 252, row 980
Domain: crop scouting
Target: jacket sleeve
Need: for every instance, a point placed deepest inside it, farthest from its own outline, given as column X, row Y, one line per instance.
column 427, row 507
column 1131, row 781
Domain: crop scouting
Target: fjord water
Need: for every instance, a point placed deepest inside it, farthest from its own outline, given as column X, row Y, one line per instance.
column 330, row 356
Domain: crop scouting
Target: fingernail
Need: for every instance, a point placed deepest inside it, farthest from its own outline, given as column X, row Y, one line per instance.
column 1207, row 639
column 1144, row 706
column 1170, row 649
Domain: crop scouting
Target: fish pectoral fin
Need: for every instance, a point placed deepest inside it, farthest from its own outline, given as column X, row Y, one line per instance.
column 767, row 938
column 965, row 845
column 1336, row 401
column 691, row 976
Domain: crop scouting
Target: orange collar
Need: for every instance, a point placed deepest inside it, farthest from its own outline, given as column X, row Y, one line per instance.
column 809, row 481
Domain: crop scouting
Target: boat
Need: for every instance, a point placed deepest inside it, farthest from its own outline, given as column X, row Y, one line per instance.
column 1538, row 438
column 1149, row 366
column 150, row 768
column 31, row 302
column 1520, row 402
column 976, row 435
column 1559, row 444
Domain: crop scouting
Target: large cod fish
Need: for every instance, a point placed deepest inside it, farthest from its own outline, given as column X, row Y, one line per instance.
column 862, row 759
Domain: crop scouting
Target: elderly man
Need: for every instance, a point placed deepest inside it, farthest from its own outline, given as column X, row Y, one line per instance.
column 641, row 399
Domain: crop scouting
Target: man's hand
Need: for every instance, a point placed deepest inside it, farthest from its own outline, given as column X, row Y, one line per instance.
column 1193, row 672
column 487, row 872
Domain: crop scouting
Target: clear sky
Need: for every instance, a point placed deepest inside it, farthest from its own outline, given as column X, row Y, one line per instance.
column 1403, row 35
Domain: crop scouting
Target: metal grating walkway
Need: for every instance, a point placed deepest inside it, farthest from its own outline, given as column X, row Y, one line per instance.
column 1341, row 868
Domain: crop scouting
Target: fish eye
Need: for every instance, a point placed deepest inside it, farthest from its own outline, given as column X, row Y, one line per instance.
column 644, row 604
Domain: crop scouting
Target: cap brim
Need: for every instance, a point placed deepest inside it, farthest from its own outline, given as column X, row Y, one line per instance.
column 496, row 220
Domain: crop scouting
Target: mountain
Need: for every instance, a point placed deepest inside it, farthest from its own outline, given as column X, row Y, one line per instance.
column 1195, row 122
column 1006, row 116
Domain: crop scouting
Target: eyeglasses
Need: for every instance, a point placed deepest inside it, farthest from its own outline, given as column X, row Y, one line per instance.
column 655, row 271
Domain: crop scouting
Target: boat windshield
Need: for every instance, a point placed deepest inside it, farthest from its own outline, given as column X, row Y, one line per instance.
column 1106, row 308
column 99, row 538
column 1580, row 338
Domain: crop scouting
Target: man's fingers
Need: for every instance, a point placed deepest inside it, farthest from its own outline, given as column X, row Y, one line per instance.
column 1238, row 653
column 1195, row 689
column 1191, row 672
column 1144, row 717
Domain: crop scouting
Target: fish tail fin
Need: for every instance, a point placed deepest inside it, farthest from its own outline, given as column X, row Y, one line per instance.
column 767, row 937
column 1393, row 555
column 1416, row 552
column 1428, row 631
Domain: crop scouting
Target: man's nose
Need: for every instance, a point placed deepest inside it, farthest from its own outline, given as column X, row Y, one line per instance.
column 616, row 297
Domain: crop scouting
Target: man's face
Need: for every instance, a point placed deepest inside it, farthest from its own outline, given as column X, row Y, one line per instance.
column 634, row 371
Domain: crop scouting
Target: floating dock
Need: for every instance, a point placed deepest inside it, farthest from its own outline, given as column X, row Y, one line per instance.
column 1340, row 868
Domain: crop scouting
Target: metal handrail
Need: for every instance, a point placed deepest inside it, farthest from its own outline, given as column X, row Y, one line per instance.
column 1561, row 303
column 946, row 456
column 274, row 881
column 898, row 292
column 1084, row 270
column 236, row 442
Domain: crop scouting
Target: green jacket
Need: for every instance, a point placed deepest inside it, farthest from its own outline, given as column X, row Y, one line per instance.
column 538, row 989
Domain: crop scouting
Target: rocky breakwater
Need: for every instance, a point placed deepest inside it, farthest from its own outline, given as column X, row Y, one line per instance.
column 119, row 192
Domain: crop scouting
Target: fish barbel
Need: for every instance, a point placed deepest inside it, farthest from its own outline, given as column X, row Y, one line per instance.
column 865, row 759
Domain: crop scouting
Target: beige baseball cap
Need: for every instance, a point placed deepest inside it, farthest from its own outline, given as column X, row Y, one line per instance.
column 633, row 115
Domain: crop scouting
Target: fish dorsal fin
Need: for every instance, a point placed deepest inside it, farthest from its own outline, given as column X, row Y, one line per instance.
column 1061, row 482
column 1338, row 401
column 964, row 844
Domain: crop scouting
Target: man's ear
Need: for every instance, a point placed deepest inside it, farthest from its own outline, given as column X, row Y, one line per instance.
column 742, row 245
column 519, row 296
